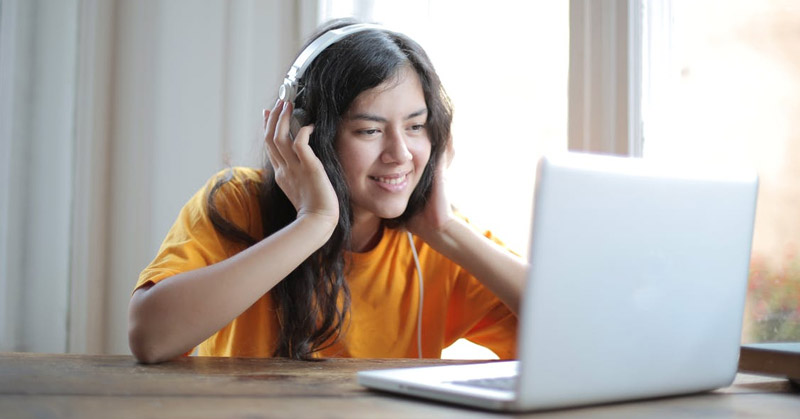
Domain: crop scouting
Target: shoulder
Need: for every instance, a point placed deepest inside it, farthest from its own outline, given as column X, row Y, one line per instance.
column 196, row 238
column 233, row 186
column 236, row 180
column 233, row 194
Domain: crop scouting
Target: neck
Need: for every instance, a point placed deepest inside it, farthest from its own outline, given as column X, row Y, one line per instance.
column 366, row 233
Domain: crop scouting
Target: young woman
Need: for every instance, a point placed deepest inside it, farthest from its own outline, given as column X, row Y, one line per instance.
column 314, row 255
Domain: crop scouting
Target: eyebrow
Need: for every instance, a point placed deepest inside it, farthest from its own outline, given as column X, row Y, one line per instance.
column 376, row 118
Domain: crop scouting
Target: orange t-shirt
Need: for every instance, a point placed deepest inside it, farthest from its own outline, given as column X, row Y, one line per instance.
column 384, row 288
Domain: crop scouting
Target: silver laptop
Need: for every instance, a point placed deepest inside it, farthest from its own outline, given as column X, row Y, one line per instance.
column 636, row 289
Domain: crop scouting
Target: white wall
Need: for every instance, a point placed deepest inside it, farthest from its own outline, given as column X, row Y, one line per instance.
column 38, row 63
column 113, row 114
column 189, row 86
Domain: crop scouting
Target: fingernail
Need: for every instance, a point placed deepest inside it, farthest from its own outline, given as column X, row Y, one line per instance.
column 264, row 113
column 285, row 105
column 277, row 102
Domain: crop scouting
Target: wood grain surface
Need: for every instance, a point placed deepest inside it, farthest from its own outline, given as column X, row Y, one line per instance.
column 87, row 386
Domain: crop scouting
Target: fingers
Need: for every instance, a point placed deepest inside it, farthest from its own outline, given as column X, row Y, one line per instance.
column 270, row 121
column 281, row 138
column 301, row 148
column 281, row 149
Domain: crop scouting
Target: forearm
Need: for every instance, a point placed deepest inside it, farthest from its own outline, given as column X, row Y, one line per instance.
column 500, row 271
column 175, row 315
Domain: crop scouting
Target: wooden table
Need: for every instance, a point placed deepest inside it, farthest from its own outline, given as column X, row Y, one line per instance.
column 43, row 386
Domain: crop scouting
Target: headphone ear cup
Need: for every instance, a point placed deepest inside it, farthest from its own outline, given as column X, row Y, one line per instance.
column 299, row 120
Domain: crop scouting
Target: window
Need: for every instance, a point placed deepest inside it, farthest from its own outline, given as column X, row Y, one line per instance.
column 724, row 86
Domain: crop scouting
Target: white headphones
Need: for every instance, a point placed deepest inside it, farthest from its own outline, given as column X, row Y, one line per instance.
column 288, row 90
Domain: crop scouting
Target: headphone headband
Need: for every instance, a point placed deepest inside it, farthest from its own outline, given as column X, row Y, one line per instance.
column 288, row 90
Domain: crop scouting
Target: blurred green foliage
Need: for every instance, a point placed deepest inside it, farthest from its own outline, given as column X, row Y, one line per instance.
column 773, row 299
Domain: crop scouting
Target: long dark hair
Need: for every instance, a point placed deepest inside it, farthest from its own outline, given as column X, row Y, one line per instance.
column 313, row 300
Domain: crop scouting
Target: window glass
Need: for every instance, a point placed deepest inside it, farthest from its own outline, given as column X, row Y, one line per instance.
column 725, row 87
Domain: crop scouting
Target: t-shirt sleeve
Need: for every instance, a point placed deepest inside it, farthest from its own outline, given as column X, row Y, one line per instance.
column 192, row 242
column 479, row 315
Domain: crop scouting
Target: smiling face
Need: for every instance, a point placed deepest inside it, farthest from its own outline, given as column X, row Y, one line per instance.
column 383, row 146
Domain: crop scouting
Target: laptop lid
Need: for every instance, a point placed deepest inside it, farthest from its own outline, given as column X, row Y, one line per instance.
column 636, row 288
column 638, row 278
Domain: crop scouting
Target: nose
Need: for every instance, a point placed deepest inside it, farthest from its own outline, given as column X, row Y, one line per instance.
column 396, row 148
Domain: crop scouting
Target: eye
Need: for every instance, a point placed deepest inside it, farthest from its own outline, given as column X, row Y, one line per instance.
column 369, row 131
column 418, row 127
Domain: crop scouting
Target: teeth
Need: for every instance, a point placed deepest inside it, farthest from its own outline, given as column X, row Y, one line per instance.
column 392, row 181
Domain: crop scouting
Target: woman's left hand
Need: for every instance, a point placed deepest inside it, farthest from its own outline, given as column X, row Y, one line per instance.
column 437, row 212
column 497, row 268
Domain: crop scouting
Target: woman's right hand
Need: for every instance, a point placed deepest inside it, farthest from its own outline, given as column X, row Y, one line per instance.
column 298, row 171
column 174, row 315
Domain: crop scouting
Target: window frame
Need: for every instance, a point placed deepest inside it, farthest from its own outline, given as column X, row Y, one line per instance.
column 605, row 77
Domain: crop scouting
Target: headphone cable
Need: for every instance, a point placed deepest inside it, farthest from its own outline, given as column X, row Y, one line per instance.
column 421, row 292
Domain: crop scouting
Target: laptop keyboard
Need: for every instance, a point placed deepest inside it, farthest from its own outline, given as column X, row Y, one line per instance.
column 499, row 383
